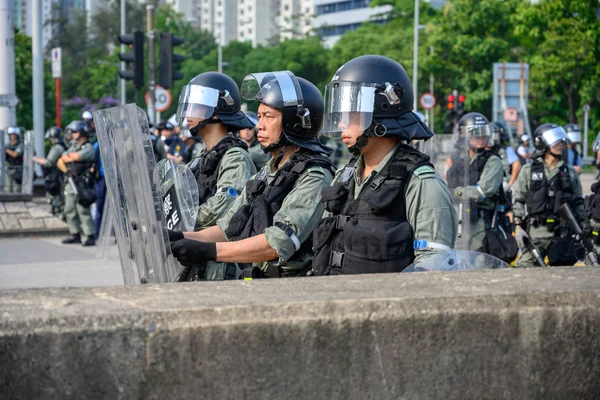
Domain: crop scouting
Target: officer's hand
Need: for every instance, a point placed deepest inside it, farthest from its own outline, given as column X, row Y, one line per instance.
column 520, row 236
column 174, row 235
column 191, row 252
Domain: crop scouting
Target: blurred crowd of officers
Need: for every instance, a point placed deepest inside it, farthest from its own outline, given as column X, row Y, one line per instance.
column 337, row 184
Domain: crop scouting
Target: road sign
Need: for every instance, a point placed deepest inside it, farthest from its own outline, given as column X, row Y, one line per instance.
column 8, row 100
column 56, row 62
column 163, row 98
column 427, row 101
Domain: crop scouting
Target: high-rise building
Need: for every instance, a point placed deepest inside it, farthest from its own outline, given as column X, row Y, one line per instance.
column 23, row 17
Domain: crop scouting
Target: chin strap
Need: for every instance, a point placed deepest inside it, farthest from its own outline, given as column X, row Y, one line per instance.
column 477, row 150
column 557, row 156
column 195, row 130
column 274, row 146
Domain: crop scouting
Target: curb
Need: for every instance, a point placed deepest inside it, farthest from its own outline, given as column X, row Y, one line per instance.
column 34, row 232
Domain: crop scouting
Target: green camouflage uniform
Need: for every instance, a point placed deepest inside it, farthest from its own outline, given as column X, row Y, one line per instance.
column 57, row 149
column 79, row 218
column 540, row 235
column 12, row 186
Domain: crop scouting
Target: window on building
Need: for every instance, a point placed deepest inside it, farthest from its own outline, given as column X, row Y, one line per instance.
column 242, row 11
column 219, row 3
column 205, row 21
column 250, row 31
column 219, row 14
column 286, row 7
column 249, row 8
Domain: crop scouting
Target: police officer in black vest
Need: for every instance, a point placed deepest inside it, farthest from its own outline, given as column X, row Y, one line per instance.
column 266, row 232
column 210, row 103
column 14, row 160
column 542, row 187
column 388, row 206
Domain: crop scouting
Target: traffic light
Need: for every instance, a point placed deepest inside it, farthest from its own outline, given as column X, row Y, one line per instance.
column 460, row 106
column 135, row 40
column 451, row 100
column 167, row 72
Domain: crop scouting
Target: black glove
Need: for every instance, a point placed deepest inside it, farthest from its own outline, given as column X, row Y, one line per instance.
column 175, row 235
column 192, row 252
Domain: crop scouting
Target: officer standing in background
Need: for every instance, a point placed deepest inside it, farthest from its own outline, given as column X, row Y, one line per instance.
column 158, row 146
column 387, row 207
column 88, row 118
column 543, row 186
column 499, row 145
column 78, row 162
column 259, row 157
column 523, row 150
column 476, row 181
column 267, row 230
column 192, row 147
column 14, row 160
column 573, row 148
column 52, row 175
column 210, row 103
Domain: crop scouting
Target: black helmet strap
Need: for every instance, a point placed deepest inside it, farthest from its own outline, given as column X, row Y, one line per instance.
column 196, row 129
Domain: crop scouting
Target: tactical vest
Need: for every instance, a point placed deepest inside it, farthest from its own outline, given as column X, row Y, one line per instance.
column 14, row 160
column 545, row 197
column 264, row 200
column 500, row 150
column 369, row 234
column 206, row 168
column 78, row 168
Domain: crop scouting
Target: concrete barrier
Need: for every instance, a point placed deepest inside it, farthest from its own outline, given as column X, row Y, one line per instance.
column 512, row 334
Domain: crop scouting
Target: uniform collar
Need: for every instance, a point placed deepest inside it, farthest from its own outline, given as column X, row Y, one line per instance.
column 360, row 164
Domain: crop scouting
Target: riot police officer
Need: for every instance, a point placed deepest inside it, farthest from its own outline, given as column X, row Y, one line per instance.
column 499, row 145
column 266, row 232
column 476, row 181
column 259, row 157
column 542, row 187
column 78, row 162
column 387, row 207
column 14, row 160
column 52, row 175
column 573, row 147
column 210, row 103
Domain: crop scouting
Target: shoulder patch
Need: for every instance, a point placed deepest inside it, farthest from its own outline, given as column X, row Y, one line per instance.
column 317, row 169
column 424, row 171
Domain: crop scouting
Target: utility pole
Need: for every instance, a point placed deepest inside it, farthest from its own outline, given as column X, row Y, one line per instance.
column 123, row 87
column 151, row 62
column 220, row 48
column 431, row 82
column 415, row 56
column 38, row 82
column 586, row 110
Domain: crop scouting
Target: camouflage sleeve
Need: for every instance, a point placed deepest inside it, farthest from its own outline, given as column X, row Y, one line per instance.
column 235, row 169
column 488, row 184
column 430, row 211
column 19, row 149
column 53, row 156
column 301, row 211
column 520, row 190
column 579, row 203
column 87, row 153
column 197, row 150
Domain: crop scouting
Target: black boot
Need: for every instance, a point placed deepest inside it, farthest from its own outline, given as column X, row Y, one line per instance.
column 90, row 241
column 73, row 239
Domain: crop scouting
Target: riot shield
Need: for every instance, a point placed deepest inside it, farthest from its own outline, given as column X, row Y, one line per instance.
column 179, row 193
column 453, row 158
column 3, row 144
column 456, row 260
column 27, row 183
column 132, row 189
column 106, row 234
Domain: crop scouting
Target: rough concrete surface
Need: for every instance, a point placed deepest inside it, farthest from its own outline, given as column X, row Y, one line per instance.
column 510, row 334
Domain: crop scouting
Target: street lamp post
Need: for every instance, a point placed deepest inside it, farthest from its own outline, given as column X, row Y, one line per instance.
column 415, row 56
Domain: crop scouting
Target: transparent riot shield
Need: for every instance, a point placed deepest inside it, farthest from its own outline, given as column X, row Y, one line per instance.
column 453, row 164
column 179, row 193
column 27, row 168
column 456, row 260
column 132, row 188
column 3, row 144
column 106, row 234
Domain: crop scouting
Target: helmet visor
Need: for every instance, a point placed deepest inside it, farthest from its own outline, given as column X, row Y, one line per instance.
column 196, row 101
column 348, row 108
column 574, row 137
column 554, row 135
column 476, row 130
column 278, row 89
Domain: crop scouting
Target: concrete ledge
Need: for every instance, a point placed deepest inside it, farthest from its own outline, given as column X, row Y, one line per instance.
column 514, row 334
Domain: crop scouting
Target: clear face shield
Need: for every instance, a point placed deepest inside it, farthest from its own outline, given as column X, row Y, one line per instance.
column 278, row 89
column 477, row 135
column 348, row 108
column 574, row 136
column 554, row 136
column 196, row 102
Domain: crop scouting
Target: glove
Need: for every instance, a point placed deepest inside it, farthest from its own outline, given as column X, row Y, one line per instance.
column 174, row 235
column 520, row 236
column 192, row 252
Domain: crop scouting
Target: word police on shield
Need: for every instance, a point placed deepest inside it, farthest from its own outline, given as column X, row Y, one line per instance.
column 56, row 62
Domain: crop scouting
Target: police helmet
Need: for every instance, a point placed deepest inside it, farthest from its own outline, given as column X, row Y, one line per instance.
column 165, row 125
column 87, row 116
column 78, row 126
column 372, row 94
column 573, row 132
column 524, row 138
column 212, row 94
column 14, row 130
column 474, row 124
column 547, row 135
column 300, row 103
column 53, row 133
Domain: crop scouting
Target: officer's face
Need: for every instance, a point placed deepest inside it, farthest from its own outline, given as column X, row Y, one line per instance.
column 166, row 133
column 13, row 138
column 247, row 134
column 557, row 148
column 269, row 125
column 76, row 135
column 479, row 142
column 352, row 128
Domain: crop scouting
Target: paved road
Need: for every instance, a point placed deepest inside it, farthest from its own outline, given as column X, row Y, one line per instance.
column 45, row 262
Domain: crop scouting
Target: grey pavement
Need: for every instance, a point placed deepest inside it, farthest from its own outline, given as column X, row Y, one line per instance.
column 45, row 262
